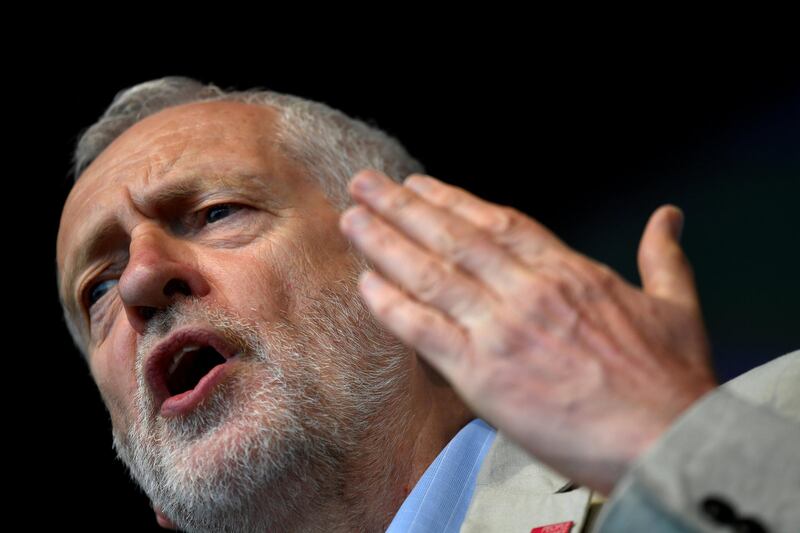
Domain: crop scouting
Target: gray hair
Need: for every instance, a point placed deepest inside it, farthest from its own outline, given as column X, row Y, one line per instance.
column 331, row 145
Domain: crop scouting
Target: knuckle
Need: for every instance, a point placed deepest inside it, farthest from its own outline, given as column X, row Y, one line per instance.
column 456, row 243
column 443, row 194
column 465, row 246
column 381, row 238
column 447, row 239
column 563, row 287
column 602, row 277
column 385, row 307
column 534, row 297
column 546, row 295
column 430, row 282
column 505, row 220
column 399, row 199
column 512, row 337
column 556, row 278
column 419, row 333
column 593, row 282
column 448, row 198
column 470, row 303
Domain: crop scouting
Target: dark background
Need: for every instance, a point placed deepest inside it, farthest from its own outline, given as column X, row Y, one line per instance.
column 588, row 145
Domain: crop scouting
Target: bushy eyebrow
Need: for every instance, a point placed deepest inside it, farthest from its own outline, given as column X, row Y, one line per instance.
column 176, row 191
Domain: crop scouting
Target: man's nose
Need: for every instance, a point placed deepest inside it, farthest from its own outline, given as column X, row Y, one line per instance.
column 160, row 269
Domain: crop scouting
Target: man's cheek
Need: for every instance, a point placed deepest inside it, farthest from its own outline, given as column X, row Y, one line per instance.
column 114, row 371
column 267, row 287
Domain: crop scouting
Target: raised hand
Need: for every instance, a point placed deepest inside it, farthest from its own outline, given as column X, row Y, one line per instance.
column 578, row 366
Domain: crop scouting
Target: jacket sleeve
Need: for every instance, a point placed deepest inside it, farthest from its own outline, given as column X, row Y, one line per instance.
column 731, row 462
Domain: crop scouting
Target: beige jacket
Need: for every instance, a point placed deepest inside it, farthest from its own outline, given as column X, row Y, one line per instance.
column 710, row 450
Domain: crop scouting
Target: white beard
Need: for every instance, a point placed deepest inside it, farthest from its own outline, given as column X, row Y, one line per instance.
column 269, row 449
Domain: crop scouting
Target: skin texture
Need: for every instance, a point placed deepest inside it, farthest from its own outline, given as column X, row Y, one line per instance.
column 267, row 262
column 579, row 367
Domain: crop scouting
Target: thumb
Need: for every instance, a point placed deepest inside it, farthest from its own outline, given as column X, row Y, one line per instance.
column 664, row 268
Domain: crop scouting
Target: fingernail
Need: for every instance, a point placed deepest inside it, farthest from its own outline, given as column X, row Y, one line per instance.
column 418, row 183
column 370, row 281
column 355, row 217
column 368, row 182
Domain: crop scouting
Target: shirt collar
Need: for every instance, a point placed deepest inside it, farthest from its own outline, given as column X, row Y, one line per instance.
column 439, row 500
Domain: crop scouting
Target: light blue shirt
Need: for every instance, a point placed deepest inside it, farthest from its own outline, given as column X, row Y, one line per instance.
column 438, row 503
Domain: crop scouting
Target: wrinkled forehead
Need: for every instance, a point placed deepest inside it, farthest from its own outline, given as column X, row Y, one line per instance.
column 180, row 137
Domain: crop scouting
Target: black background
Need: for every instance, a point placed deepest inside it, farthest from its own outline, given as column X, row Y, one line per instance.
column 588, row 143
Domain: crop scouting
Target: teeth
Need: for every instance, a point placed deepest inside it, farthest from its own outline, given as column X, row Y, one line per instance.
column 177, row 359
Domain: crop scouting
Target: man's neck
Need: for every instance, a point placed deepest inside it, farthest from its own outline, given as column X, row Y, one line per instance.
column 409, row 435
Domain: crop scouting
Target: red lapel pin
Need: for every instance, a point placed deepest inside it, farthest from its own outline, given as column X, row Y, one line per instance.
column 562, row 527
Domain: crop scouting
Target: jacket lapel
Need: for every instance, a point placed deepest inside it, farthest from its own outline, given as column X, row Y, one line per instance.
column 516, row 493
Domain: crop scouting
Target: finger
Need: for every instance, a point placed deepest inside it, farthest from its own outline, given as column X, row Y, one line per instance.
column 663, row 266
column 425, row 276
column 510, row 228
column 432, row 334
column 441, row 232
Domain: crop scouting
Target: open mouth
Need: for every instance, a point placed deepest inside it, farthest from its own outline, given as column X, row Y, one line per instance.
column 190, row 366
column 183, row 369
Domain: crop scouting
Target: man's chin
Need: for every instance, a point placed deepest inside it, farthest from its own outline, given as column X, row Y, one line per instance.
column 229, row 476
column 203, row 442
column 241, row 445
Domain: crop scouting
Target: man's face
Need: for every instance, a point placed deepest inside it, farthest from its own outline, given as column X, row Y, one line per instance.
column 218, row 306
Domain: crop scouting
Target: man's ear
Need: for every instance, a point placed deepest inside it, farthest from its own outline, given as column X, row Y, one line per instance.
column 162, row 520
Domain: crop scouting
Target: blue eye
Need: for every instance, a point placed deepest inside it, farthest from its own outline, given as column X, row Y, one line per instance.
column 97, row 291
column 218, row 212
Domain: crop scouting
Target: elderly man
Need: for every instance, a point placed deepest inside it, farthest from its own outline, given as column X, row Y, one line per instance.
column 205, row 279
